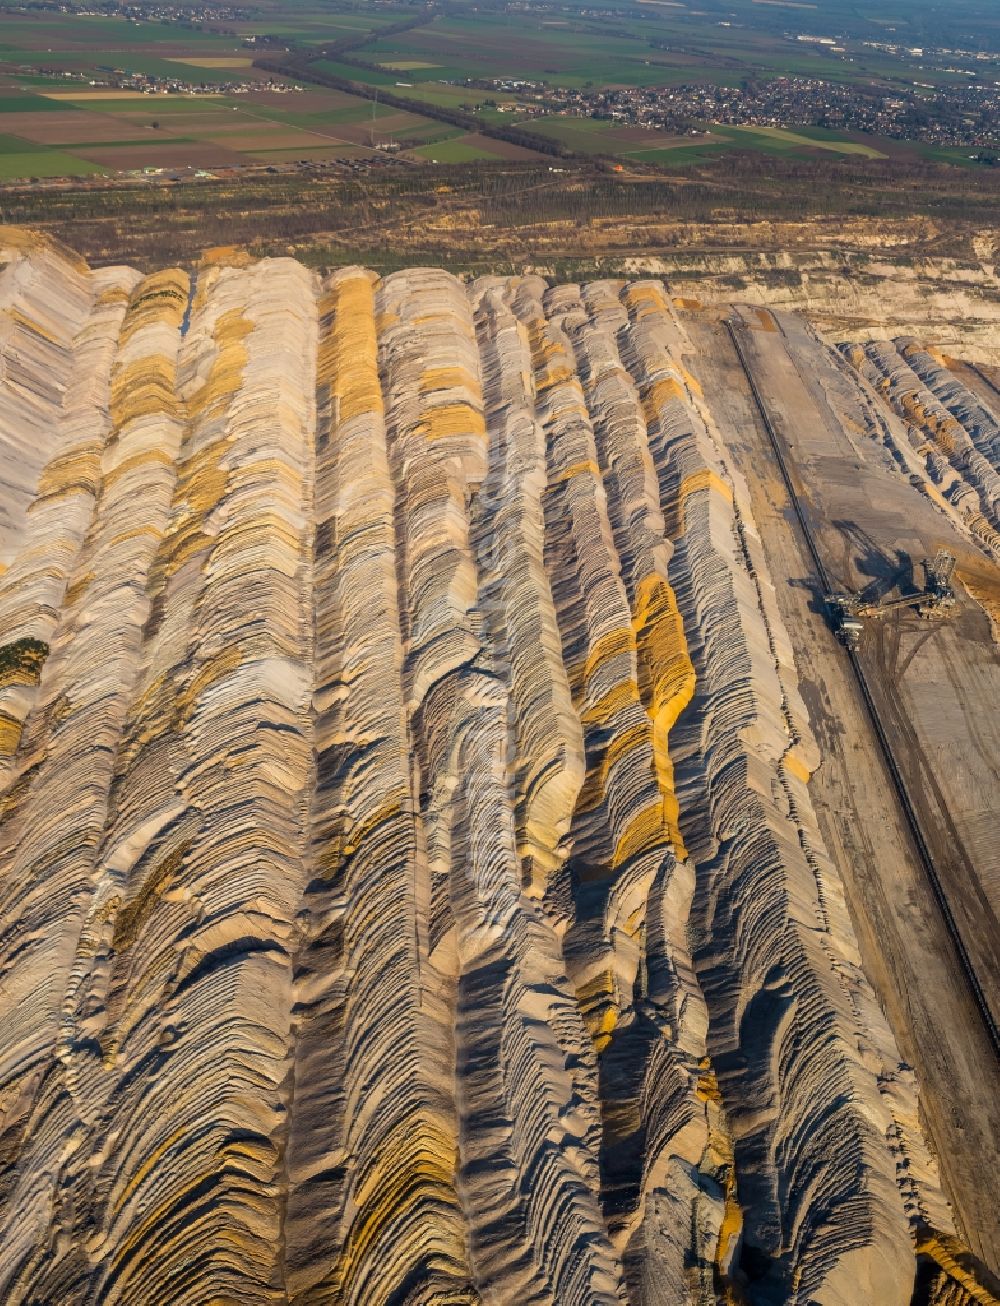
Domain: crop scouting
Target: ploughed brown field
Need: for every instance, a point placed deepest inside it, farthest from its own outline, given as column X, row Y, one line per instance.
column 185, row 154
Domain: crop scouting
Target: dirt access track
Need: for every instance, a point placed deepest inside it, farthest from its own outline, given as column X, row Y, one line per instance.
column 928, row 681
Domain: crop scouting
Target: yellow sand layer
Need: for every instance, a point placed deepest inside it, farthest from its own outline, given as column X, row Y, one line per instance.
column 666, row 683
column 348, row 351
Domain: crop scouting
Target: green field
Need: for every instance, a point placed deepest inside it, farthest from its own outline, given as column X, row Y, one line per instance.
column 646, row 44
column 63, row 115
column 453, row 151
column 26, row 104
column 525, row 47
column 669, row 46
column 601, row 137
column 19, row 159
column 368, row 76
column 160, row 106
column 583, row 135
column 779, row 140
column 682, row 155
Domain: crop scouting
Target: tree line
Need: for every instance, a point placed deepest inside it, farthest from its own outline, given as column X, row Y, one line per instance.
column 303, row 71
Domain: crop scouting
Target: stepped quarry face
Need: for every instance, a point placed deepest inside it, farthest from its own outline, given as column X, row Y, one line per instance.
column 444, row 856
column 861, row 284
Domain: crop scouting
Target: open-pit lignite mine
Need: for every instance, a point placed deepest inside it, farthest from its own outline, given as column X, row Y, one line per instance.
column 446, row 856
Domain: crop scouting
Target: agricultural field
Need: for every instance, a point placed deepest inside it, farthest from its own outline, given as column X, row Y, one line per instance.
column 521, row 47
column 656, row 43
column 639, row 144
column 472, row 146
column 84, row 94
column 18, row 159
column 63, row 112
column 72, row 132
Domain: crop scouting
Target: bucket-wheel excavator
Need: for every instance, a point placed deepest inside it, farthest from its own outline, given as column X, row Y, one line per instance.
column 937, row 599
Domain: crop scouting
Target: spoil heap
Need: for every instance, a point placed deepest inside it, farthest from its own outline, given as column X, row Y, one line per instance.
column 411, row 890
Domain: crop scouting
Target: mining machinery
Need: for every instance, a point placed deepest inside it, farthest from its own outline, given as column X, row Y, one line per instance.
column 936, row 599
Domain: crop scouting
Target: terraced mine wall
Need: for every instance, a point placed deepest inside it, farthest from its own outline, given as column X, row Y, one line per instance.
column 410, row 890
column 863, row 289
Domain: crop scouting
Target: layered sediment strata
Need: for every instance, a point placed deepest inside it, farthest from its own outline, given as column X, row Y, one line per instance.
column 955, row 432
column 762, row 882
column 411, row 890
column 859, row 281
column 58, row 331
column 69, row 749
